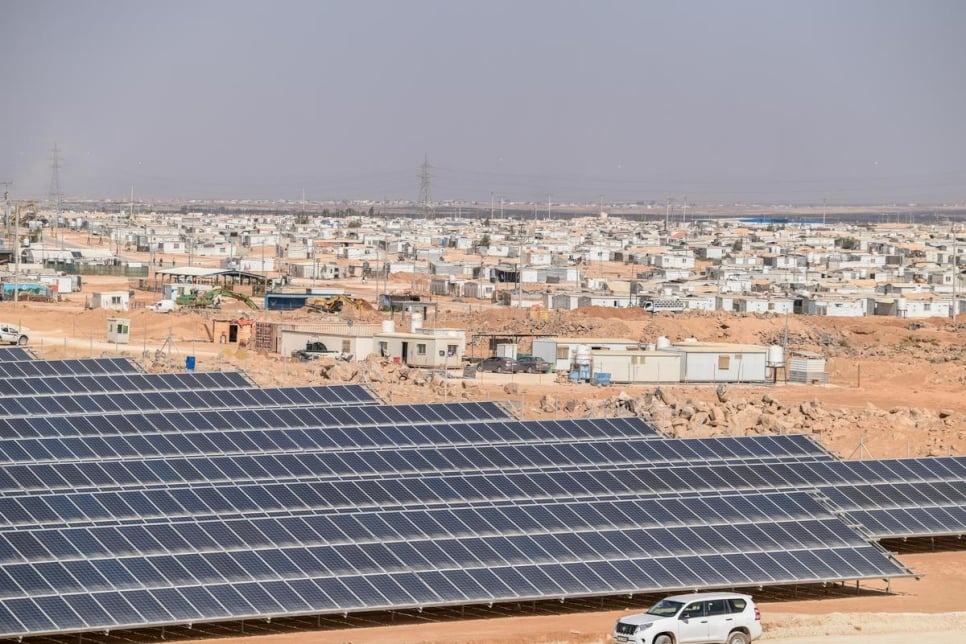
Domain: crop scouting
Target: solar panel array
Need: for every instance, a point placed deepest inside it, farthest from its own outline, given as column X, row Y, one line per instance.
column 12, row 354
column 159, row 503
column 45, row 368
column 130, row 382
column 236, row 398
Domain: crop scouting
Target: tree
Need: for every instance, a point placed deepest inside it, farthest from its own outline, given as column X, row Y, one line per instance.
column 847, row 243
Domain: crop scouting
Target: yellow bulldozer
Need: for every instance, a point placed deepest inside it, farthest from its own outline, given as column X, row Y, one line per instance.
column 337, row 304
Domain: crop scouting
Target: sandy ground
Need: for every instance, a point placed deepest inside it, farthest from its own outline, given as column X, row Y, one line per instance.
column 928, row 608
column 874, row 364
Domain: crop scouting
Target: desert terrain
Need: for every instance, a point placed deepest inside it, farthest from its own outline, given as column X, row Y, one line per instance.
column 895, row 389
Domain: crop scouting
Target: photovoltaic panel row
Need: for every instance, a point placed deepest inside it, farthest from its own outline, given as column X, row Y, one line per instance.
column 132, row 382
column 118, row 469
column 225, row 420
column 683, row 515
column 82, row 367
column 233, row 499
column 13, row 354
column 425, row 558
column 374, row 444
column 138, row 402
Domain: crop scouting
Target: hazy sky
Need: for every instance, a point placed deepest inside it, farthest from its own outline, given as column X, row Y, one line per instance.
column 733, row 100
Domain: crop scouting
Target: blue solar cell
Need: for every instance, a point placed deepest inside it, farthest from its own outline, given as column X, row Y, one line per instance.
column 336, row 590
column 176, row 604
column 232, row 600
column 259, row 598
column 120, row 610
column 204, row 600
column 311, row 594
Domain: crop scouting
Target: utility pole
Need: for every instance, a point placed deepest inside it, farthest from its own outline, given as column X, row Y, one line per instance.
column 491, row 204
column 6, row 207
column 425, row 196
column 684, row 213
column 823, row 213
column 667, row 215
column 55, row 194
column 548, row 206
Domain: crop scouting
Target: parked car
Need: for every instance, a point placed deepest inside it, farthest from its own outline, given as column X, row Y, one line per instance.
column 499, row 365
column 533, row 364
column 718, row 618
column 10, row 334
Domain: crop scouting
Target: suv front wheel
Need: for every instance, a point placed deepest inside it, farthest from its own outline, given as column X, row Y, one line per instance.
column 663, row 638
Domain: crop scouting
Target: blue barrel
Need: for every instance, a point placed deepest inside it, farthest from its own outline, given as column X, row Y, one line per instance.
column 189, row 363
column 601, row 378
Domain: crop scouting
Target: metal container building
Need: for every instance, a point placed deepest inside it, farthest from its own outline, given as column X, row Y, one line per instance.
column 637, row 366
column 720, row 362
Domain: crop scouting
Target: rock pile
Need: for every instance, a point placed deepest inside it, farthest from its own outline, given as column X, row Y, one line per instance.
column 736, row 416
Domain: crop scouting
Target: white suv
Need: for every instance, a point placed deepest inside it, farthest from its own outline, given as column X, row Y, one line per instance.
column 699, row 618
column 12, row 335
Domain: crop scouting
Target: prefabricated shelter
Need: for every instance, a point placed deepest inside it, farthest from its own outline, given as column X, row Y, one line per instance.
column 119, row 330
column 285, row 338
column 426, row 348
column 479, row 290
column 636, row 366
column 561, row 353
column 114, row 300
column 721, row 362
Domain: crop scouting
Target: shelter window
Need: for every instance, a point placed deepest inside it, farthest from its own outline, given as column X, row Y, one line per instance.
column 421, row 349
column 724, row 362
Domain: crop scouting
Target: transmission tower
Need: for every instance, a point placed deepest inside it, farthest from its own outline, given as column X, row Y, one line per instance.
column 55, row 195
column 425, row 197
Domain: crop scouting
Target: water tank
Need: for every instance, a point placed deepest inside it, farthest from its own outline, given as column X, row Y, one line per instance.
column 663, row 342
column 690, row 340
column 901, row 304
column 416, row 323
column 507, row 350
column 776, row 355
column 583, row 354
column 388, row 326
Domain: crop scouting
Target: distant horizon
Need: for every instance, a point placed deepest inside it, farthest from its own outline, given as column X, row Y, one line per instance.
column 745, row 101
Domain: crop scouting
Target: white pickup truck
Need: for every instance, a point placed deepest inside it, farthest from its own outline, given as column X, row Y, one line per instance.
column 162, row 306
column 10, row 334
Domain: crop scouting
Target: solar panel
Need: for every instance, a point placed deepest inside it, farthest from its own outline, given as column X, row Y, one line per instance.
column 155, row 574
column 45, row 368
column 235, row 398
column 331, row 417
column 73, row 464
column 130, row 382
column 13, row 354
column 130, row 500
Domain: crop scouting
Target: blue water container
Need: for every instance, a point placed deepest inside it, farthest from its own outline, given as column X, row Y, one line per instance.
column 189, row 363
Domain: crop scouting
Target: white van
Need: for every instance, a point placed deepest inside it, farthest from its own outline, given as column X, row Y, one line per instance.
column 162, row 306
column 698, row 618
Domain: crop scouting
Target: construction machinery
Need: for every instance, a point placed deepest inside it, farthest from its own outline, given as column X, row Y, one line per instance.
column 337, row 304
column 212, row 299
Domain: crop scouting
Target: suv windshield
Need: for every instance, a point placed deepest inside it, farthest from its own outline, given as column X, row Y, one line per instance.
column 665, row 608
